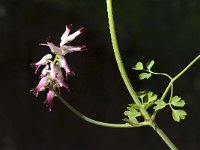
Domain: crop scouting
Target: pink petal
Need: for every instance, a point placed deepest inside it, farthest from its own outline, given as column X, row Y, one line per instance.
column 64, row 65
column 52, row 71
column 49, row 99
column 54, row 49
column 61, row 83
column 69, row 49
column 44, row 71
column 59, row 72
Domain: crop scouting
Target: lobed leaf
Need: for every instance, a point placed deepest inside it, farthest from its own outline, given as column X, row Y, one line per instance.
column 138, row 66
column 142, row 94
column 147, row 98
column 178, row 115
column 151, row 97
column 134, row 106
column 160, row 104
column 144, row 76
column 177, row 101
column 132, row 112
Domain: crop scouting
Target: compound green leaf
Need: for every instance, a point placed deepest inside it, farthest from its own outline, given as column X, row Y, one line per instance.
column 138, row 66
column 132, row 113
column 144, row 76
column 177, row 101
column 150, row 64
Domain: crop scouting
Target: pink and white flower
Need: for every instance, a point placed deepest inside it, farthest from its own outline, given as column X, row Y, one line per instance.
column 49, row 98
column 51, row 76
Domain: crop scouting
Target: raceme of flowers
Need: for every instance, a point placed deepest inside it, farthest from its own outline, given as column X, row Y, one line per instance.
column 51, row 77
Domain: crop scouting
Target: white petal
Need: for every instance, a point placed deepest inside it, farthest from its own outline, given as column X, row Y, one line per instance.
column 54, row 49
column 67, row 31
column 45, row 59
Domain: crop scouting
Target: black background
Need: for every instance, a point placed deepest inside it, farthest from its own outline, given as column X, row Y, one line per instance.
column 167, row 31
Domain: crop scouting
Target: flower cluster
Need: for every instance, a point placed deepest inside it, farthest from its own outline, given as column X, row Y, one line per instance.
column 52, row 77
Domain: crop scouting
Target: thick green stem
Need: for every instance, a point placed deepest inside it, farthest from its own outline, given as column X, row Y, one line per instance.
column 119, row 60
column 164, row 136
column 126, row 79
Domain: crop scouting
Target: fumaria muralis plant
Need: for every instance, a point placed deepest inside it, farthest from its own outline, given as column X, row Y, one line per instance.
column 52, row 79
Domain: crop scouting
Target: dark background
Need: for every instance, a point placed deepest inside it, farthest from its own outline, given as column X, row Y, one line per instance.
column 167, row 31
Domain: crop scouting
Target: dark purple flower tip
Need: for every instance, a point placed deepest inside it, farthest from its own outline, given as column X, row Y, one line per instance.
column 69, row 26
column 83, row 47
column 33, row 65
column 49, row 39
column 81, row 29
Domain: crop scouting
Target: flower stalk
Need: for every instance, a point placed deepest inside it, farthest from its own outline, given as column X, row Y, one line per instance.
column 95, row 122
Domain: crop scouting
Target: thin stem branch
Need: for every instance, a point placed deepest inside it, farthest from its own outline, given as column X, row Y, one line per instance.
column 158, row 73
column 178, row 75
column 186, row 68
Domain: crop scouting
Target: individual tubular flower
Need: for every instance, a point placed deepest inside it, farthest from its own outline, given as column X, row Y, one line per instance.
column 43, row 61
column 52, row 78
column 67, row 38
column 49, row 99
column 63, row 64
column 41, row 85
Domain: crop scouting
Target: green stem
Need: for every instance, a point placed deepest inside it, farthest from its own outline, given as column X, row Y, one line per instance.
column 99, row 123
column 186, row 68
column 157, row 73
column 164, row 137
column 126, row 79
